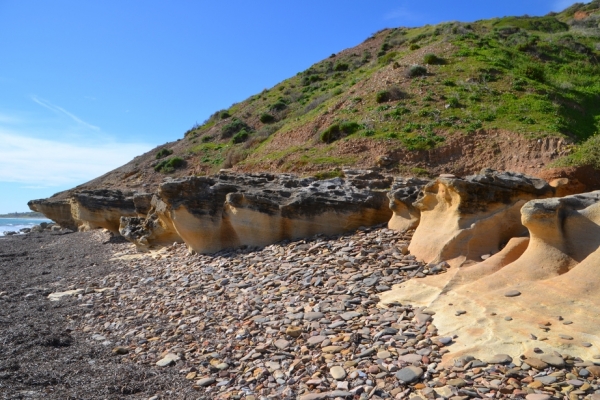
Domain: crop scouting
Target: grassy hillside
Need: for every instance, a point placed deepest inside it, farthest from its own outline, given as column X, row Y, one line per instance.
column 412, row 89
column 513, row 93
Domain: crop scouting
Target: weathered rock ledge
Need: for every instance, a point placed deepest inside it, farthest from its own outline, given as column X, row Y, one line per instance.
column 231, row 210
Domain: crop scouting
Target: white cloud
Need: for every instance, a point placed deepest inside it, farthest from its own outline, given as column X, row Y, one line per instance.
column 60, row 110
column 42, row 162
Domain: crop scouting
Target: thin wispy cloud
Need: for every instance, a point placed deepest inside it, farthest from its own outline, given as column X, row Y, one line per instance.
column 39, row 163
column 60, row 110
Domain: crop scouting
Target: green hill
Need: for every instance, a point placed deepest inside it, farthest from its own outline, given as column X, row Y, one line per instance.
column 520, row 93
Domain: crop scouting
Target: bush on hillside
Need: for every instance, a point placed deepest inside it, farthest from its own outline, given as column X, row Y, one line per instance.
column 432, row 59
column 341, row 66
column 234, row 127
column 163, row 153
column 390, row 94
column 588, row 153
column 336, row 131
column 266, row 118
column 415, row 70
column 241, row 136
column 169, row 165
column 225, row 114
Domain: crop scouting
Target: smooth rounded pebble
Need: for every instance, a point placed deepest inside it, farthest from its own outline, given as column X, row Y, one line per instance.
column 512, row 293
column 338, row 373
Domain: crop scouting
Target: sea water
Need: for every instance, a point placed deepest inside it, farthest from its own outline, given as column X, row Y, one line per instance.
column 14, row 224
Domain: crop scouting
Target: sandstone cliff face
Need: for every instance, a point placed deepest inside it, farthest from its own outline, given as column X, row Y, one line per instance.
column 229, row 210
column 88, row 209
column 101, row 209
column 58, row 211
column 526, row 291
column 473, row 216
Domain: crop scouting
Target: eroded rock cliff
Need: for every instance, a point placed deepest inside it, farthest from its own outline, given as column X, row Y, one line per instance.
column 229, row 210
column 538, row 292
column 472, row 216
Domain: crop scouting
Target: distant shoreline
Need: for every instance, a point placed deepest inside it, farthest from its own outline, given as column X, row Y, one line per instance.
column 32, row 215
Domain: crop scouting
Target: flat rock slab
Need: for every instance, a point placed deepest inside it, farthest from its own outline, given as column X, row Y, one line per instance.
column 325, row 395
column 538, row 396
column 313, row 340
column 59, row 295
column 409, row 374
column 500, row 359
column 347, row 316
column 553, row 360
column 536, row 363
column 410, row 358
column 282, row 344
column 313, row 316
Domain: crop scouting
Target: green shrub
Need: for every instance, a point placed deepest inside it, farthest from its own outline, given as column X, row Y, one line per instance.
column 162, row 153
column 349, row 127
column 225, row 114
column 279, row 105
column 388, row 58
column 207, row 138
column 341, row 66
column 331, row 134
column 329, row 174
column 382, row 96
column 390, row 94
column 234, row 127
column 414, row 46
column 336, row 131
column 432, row 59
column 422, row 142
column 453, row 102
column 241, row 136
column 169, row 165
column 534, row 72
column 416, row 70
column 448, row 82
column 586, row 154
column 266, row 118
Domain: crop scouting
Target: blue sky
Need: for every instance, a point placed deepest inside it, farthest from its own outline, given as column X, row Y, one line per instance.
column 87, row 85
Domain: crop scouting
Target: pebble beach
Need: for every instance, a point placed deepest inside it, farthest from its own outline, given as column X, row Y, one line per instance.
column 294, row 320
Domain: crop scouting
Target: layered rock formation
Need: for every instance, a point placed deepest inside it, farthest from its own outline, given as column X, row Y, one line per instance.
column 538, row 292
column 88, row 209
column 402, row 195
column 58, row 211
column 229, row 210
column 101, row 209
column 473, row 216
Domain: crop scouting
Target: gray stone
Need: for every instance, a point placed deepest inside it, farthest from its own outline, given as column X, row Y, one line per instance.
column 409, row 374
column 553, row 360
column 546, row 380
column 500, row 359
column 313, row 316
